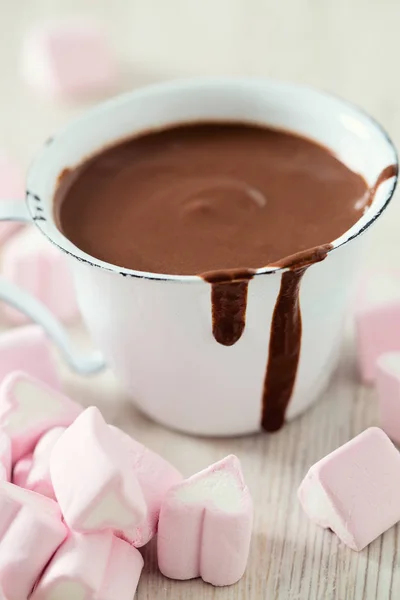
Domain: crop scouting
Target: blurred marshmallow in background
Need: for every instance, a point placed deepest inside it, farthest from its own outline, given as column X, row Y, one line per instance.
column 67, row 59
column 62, row 59
column 31, row 262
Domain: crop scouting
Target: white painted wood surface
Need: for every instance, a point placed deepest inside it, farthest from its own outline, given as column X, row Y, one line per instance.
column 351, row 48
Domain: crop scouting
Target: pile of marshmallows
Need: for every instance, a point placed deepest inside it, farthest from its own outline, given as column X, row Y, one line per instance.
column 78, row 497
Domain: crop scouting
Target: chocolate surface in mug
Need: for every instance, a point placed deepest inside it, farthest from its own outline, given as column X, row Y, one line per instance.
column 219, row 200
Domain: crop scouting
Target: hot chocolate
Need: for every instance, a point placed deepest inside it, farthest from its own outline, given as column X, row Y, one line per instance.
column 219, row 200
column 206, row 197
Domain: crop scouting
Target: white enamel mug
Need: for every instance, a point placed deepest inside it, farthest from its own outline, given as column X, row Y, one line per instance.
column 155, row 330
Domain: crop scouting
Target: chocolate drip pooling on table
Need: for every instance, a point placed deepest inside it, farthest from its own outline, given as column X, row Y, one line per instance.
column 222, row 200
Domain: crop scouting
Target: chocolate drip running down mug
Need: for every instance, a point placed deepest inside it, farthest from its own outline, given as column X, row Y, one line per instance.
column 156, row 331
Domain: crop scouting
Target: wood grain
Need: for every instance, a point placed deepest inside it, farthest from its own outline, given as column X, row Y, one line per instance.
column 350, row 48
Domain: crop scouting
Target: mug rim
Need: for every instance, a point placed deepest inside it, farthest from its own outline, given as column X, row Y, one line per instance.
column 183, row 84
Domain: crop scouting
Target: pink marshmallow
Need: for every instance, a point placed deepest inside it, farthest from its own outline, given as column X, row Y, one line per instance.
column 12, row 187
column 37, row 476
column 93, row 480
column 31, row 530
column 205, row 526
column 27, row 349
column 67, row 59
column 156, row 476
column 21, row 471
column 42, row 269
column 388, row 387
column 92, row 566
column 29, row 408
column 377, row 320
column 5, row 457
column 355, row 490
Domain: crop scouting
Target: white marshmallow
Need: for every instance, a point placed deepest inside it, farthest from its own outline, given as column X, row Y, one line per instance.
column 355, row 490
column 67, row 59
column 93, row 480
column 205, row 526
column 29, row 408
column 31, row 530
column 95, row 566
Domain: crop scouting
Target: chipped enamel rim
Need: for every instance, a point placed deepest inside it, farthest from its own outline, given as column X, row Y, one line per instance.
column 41, row 211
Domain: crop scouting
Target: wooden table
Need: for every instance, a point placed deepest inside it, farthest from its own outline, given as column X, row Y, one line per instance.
column 351, row 48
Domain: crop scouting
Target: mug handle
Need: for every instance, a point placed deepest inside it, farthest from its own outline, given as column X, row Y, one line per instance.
column 15, row 210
